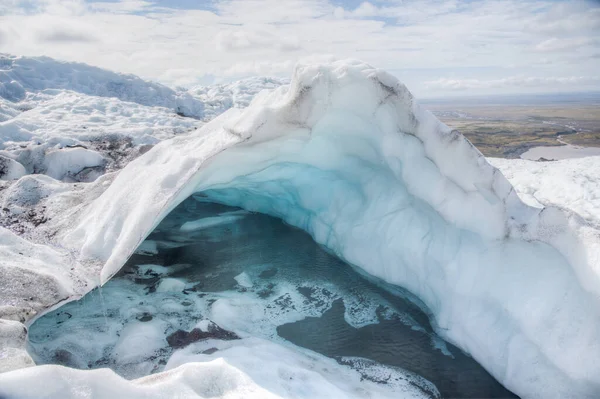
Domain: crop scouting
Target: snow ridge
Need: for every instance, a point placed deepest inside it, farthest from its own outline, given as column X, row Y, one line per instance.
column 22, row 75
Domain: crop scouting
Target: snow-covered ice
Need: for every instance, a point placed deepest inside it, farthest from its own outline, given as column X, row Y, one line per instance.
column 21, row 77
column 345, row 153
column 219, row 98
column 238, row 370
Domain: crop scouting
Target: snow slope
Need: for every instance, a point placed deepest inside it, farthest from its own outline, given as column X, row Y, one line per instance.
column 75, row 122
column 569, row 183
column 219, row 98
column 346, row 154
column 21, row 76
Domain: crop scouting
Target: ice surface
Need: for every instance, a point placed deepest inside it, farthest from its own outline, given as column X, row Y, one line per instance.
column 219, row 98
column 170, row 284
column 346, row 154
column 71, row 161
column 209, row 222
column 75, row 122
column 237, row 370
column 137, row 339
column 22, row 75
column 244, row 280
column 571, row 184
column 10, row 169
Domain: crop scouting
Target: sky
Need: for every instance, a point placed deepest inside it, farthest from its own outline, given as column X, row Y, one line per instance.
column 437, row 48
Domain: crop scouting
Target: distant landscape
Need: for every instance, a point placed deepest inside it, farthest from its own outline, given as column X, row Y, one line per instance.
column 508, row 126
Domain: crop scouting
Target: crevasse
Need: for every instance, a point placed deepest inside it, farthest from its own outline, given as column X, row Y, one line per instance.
column 346, row 154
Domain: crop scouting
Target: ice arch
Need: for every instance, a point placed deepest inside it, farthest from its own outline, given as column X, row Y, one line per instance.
column 346, row 154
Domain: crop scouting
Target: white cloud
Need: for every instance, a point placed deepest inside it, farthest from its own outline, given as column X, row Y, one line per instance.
column 123, row 6
column 484, row 40
column 570, row 44
column 235, row 40
column 511, row 82
column 59, row 35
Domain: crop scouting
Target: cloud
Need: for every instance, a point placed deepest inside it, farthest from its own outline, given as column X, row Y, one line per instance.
column 572, row 44
column 258, row 68
column 65, row 36
column 237, row 40
column 511, row 82
column 123, row 6
column 419, row 41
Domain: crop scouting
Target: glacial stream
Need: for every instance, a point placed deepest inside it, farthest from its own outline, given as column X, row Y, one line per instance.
column 213, row 271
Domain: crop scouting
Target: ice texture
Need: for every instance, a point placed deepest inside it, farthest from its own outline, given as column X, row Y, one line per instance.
column 219, row 98
column 237, row 370
column 345, row 153
column 22, row 75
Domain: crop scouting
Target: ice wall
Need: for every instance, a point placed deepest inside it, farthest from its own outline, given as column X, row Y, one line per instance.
column 346, row 154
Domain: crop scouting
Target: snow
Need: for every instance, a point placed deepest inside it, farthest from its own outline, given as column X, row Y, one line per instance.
column 244, row 280
column 22, row 75
column 11, row 169
column 236, row 370
column 13, row 354
column 74, row 122
column 138, row 339
column 71, row 161
column 219, row 98
column 572, row 184
column 170, row 284
column 346, row 154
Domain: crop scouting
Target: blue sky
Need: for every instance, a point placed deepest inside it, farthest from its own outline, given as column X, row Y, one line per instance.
column 438, row 48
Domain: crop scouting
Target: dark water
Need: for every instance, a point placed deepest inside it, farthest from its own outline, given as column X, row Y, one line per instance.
column 310, row 298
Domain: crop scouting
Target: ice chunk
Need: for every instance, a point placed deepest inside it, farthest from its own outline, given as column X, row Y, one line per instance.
column 70, row 161
column 244, row 280
column 148, row 247
column 10, row 169
column 205, row 223
column 140, row 340
column 170, row 285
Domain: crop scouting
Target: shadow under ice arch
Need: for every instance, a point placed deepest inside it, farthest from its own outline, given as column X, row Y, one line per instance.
column 347, row 155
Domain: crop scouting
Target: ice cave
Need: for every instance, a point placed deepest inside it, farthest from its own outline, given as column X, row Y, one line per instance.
column 210, row 269
column 332, row 239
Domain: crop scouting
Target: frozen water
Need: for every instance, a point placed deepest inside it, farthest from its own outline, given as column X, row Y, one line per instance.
column 559, row 152
column 225, row 369
column 255, row 276
column 346, row 154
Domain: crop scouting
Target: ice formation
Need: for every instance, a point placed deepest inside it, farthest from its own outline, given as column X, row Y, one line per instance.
column 219, row 98
column 346, row 154
column 22, row 76
column 237, row 370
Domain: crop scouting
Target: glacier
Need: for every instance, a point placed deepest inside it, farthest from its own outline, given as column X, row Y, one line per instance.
column 346, row 154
